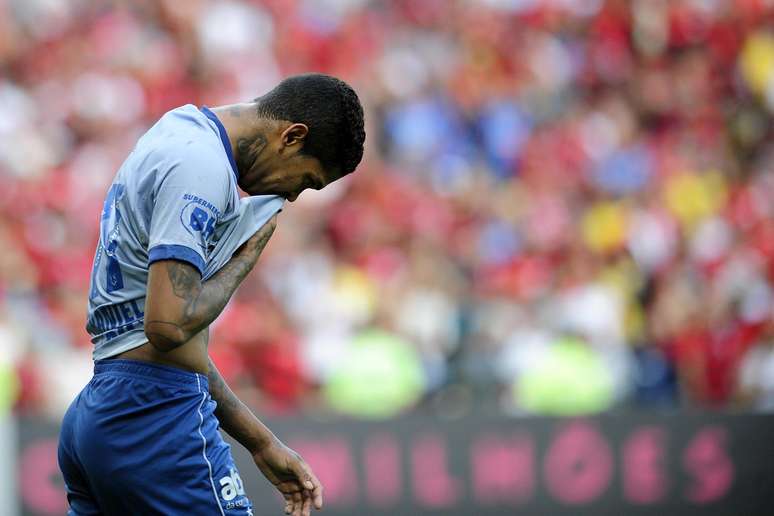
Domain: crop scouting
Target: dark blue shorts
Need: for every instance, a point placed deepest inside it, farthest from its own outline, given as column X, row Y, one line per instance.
column 143, row 439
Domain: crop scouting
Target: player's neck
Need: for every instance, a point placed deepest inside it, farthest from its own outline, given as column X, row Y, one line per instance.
column 246, row 132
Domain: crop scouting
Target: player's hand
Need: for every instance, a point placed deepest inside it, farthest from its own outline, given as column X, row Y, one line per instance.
column 255, row 244
column 291, row 476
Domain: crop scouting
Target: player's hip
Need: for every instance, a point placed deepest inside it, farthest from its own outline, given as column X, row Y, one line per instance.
column 137, row 400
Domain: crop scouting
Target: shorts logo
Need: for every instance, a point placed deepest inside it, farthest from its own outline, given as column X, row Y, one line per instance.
column 232, row 485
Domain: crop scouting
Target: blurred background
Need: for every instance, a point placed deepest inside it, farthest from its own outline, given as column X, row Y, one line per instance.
column 565, row 206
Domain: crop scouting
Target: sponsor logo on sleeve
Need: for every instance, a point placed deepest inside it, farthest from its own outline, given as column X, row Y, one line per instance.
column 199, row 217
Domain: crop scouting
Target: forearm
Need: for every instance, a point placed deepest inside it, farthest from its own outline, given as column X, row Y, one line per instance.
column 235, row 418
column 192, row 303
column 203, row 301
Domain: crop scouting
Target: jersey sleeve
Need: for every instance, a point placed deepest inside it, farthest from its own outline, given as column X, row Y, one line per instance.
column 189, row 200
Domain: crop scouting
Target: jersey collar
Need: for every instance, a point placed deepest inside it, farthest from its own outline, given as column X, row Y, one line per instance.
column 223, row 138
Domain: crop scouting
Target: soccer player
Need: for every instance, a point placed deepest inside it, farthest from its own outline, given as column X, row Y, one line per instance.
column 175, row 242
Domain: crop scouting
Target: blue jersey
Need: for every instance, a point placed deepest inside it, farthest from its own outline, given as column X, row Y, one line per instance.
column 175, row 197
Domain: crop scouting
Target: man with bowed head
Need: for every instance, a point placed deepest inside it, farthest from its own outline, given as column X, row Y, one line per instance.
column 176, row 240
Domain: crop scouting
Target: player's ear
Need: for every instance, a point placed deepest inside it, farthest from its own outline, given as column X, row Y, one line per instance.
column 294, row 135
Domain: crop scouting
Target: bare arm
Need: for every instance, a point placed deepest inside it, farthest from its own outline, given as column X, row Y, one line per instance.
column 280, row 465
column 179, row 304
column 235, row 418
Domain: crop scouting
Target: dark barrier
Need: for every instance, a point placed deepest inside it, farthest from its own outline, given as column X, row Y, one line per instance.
column 610, row 465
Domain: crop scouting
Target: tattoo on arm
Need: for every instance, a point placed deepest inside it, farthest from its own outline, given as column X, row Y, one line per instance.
column 202, row 302
column 184, row 279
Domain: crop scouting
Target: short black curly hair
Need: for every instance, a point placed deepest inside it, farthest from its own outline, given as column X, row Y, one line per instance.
column 331, row 110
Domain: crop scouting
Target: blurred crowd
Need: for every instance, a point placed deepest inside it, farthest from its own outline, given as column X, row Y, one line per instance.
column 566, row 206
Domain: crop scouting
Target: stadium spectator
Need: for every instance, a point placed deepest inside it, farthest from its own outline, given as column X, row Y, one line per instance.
column 542, row 171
